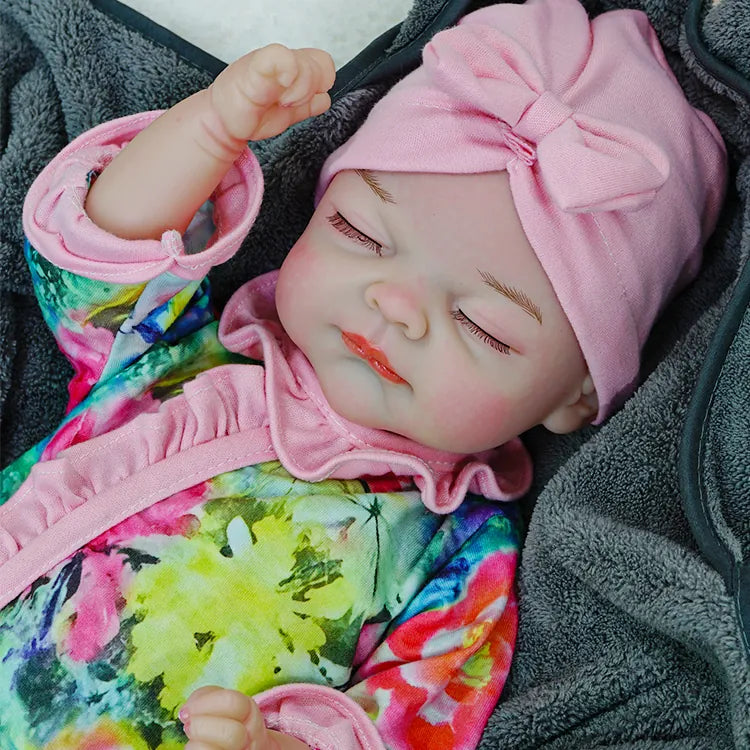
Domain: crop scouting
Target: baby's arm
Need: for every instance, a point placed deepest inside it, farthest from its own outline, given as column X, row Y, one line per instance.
column 218, row 719
column 161, row 178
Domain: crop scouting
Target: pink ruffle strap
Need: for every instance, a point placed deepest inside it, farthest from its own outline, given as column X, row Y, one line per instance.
column 217, row 425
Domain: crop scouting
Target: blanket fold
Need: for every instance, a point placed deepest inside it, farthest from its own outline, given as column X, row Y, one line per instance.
column 715, row 453
column 634, row 581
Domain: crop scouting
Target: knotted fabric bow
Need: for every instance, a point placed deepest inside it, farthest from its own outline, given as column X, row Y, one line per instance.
column 486, row 74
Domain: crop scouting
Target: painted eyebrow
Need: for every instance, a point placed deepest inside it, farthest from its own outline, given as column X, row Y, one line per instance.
column 375, row 186
column 514, row 295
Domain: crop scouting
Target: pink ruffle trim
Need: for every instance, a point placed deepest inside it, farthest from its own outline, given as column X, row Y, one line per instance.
column 322, row 717
column 313, row 442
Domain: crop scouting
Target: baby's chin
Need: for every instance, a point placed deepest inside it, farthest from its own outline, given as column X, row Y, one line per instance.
column 356, row 393
column 353, row 398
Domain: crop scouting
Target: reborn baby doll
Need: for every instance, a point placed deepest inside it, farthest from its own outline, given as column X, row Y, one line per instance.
column 298, row 504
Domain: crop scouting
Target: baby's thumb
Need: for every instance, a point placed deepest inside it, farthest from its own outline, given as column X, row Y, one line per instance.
column 256, row 729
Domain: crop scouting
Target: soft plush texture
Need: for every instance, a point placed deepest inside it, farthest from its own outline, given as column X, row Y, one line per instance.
column 631, row 607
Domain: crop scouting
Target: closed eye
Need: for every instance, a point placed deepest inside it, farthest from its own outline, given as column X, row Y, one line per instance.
column 339, row 223
column 480, row 332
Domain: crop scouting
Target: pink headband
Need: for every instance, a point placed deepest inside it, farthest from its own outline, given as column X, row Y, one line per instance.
column 617, row 180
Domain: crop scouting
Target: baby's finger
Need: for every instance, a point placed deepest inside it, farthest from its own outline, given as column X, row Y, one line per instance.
column 216, row 701
column 325, row 68
column 301, row 90
column 277, row 61
column 225, row 734
column 278, row 119
column 317, row 74
column 315, row 106
column 255, row 723
column 197, row 695
column 318, row 104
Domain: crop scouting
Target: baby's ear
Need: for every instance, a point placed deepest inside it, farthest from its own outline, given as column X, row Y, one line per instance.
column 579, row 411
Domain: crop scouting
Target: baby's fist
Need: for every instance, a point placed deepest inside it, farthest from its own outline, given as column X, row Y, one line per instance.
column 215, row 718
column 271, row 88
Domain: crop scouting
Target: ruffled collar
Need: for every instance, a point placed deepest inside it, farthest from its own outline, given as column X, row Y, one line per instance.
column 313, row 442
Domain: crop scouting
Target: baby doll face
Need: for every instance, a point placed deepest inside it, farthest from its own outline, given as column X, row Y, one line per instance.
column 424, row 311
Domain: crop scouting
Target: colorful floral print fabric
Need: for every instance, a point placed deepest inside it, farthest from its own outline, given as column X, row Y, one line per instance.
column 249, row 580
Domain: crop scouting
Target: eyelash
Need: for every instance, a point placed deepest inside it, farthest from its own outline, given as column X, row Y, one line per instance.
column 479, row 332
column 338, row 222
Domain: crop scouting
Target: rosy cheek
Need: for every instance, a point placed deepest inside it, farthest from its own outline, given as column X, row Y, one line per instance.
column 295, row 273
column 299, row 260
column 301, row 292
column 474, row 412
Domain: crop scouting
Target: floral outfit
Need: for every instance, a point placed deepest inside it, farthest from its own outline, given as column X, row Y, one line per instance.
column 201, row 516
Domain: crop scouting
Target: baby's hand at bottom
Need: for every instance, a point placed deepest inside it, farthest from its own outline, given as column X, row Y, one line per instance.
column 215, row 718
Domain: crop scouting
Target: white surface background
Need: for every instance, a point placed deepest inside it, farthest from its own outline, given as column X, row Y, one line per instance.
column 229, row 28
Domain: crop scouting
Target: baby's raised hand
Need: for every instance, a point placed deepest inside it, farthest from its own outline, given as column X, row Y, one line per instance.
column 271, row 88
column 215, row 718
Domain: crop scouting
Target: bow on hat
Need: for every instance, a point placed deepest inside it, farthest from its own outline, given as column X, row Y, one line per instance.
column 487, row 73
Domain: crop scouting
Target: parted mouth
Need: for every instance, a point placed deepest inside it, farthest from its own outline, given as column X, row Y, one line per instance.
column 375, row 357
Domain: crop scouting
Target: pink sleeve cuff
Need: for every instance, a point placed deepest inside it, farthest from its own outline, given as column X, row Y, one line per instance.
column 57, row 226
column 320, row 716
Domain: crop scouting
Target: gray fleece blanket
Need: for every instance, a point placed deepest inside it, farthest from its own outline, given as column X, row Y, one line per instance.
column 634, row 579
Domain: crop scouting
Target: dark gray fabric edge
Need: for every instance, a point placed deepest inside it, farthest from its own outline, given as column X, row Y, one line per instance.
column 160, row 35
column 735, row 571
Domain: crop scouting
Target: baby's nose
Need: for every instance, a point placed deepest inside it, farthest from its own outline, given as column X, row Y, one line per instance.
column 399, row 305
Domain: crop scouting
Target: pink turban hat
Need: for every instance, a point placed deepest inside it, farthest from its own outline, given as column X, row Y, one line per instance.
column 616, row 178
